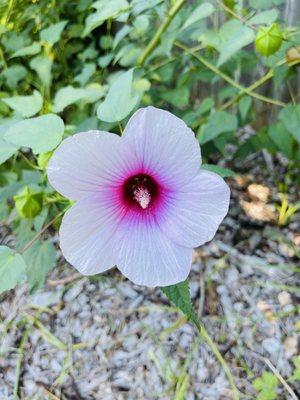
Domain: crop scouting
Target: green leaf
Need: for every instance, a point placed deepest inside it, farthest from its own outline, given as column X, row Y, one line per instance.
column 70, row 95
column 244, row 106
column 218, row 122
column 202, row 11
column 6, row 149
column 40, row 259
column 28, row 202
column 266, row 386
column 260, row 4
column 87, row 71
column 179, row 294
column 178, row 97
column 31, row 50
column 43, row 159
column 26, row 106
column 120, row 99
column 290, row 117
column 234, row 36
column 296, row 374
column 223, row 172
column 282, row 138
column 42, row 66
column 12, row 269
column 14, row 75
column 264, row 17
column 52, row 34
column 41, row 134
column 106, row 9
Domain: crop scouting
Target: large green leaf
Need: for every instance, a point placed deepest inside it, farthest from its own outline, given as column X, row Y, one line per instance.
column 179, row 294
column 120, row 99
column 218, row 122
column 40, row 259
column 41, row 134
column 6, row 149
column 202, row 11
column 26, row 106
column 282, row 138
column 53, row 32
column 106, row 9
column 70, row 95
column 290, row 117
column 234, row 35
column 12, row 269
column 264, row 17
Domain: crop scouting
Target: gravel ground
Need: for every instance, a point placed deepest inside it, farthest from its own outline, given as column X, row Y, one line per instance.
column 104, row 338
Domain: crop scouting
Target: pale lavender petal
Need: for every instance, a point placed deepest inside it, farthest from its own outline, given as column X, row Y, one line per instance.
column 87, row 162
column 86, row 232
column 164, row 144
column 194, row 213
column 148, row 257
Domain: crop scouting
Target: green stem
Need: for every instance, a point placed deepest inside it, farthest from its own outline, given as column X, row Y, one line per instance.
column 204, row 334
column 250, row 88
column 217, row 71
column 156, row 38
column 19, row 361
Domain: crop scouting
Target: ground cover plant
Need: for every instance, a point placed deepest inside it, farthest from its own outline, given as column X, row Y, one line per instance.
column 230, row 71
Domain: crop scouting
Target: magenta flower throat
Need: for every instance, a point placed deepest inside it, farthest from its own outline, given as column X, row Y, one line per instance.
column 142, row 202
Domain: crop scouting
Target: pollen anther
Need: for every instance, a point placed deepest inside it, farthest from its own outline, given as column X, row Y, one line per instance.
column 142, row 196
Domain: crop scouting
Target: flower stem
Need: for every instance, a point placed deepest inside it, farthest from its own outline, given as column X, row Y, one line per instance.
column 156, row 38
column 204, row 334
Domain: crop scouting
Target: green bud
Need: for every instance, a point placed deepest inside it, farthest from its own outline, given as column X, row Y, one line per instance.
column 28, row 202
column 43, row 159
column 268, row 39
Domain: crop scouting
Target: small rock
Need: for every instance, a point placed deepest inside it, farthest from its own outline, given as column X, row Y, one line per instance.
column 271, row 345
column 290, row 346
column 258, row 192
column 284, row 298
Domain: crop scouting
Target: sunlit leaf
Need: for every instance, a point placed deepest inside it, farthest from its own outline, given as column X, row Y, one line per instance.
column 120, row 99
column 25, row 106
column 70, row 95
column 41, row 134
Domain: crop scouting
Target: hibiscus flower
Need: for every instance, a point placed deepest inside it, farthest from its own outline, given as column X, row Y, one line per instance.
column 142, row 201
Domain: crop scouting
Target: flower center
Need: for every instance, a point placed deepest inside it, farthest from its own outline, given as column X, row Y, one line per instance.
column 140, row 191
